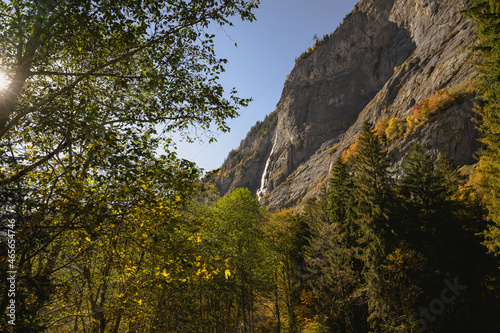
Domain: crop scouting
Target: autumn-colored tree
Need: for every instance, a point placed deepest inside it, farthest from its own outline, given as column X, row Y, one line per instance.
column 395, row 129
column 286, row 236
column 234, row 231
column 486, row 15
column 381, row 128
column 351, row 151
column 94, row 87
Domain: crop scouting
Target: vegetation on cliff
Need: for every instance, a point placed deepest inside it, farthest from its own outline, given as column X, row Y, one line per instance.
column 237, row 158
column 392, row 129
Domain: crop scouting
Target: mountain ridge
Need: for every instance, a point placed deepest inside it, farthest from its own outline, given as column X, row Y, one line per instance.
column 385, row 58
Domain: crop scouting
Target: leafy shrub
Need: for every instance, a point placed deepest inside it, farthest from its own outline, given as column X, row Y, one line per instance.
column 441, row 100
column 351, row 151
column 381, row 127
column 395, row 129
column 316, row 327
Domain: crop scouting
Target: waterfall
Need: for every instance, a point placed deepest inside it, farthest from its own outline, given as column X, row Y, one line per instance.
column 262, row 190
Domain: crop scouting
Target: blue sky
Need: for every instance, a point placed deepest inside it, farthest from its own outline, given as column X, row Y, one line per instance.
column 258, row 66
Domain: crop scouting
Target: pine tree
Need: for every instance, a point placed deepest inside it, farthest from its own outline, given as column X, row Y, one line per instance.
column 430, row 224
column 371, row 194
column 486, row 14
column 372, row 198
column 334, row 270
column 419, row 181
column 340, row 198
column 440, row 222
column 425, row 191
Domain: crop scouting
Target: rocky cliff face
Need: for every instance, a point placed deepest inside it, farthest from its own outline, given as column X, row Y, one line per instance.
column 385, row 57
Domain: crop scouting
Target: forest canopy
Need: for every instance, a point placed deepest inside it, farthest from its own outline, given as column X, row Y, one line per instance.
column 93, row 90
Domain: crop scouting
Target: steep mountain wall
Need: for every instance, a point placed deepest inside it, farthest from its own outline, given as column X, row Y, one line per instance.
column 385, row 57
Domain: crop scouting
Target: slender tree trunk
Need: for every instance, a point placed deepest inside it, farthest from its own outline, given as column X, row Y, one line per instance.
column 277, row 304
column 118, row 320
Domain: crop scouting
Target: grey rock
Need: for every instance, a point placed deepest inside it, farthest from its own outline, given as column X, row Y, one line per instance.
column 387, row 55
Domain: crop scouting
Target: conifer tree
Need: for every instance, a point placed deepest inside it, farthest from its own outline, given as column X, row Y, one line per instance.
column 419, row 181
column 425, row 192
column 372, row 198
column 371, row 194
column 334, row 270
column 340, row 202
column 431, row 223
column 441, row 221
column 486, row 14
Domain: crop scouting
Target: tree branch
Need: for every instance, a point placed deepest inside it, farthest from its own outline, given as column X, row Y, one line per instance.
column 138, row 77
column 155, row 120
column 23, row 172
column 5, row 127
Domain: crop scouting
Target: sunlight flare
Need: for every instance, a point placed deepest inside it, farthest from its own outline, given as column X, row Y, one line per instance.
column 4, row 81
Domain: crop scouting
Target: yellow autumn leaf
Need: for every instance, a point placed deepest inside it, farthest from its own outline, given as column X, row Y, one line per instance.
column 165, row 274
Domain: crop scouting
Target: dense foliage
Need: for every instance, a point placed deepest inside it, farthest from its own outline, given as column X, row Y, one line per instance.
column 94, row 90
column 486, row 14
column 379, row 251
column 370, row 254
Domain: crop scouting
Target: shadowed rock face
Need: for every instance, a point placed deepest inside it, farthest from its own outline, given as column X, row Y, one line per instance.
column 387, row 55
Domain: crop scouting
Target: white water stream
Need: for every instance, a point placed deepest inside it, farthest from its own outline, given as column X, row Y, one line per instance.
column 262, row 190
